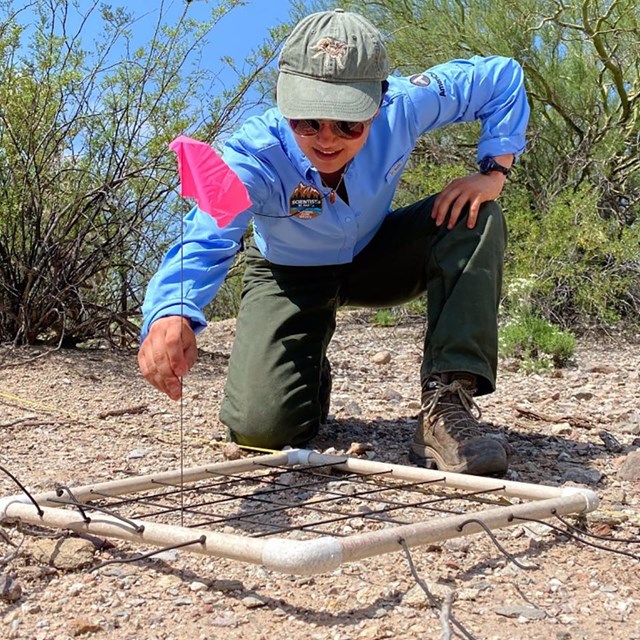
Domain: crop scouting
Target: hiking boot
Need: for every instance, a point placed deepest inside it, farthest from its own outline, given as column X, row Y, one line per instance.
column 449, row 429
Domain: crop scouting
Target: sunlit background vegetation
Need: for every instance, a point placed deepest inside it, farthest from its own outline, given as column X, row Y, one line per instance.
column 88, row 186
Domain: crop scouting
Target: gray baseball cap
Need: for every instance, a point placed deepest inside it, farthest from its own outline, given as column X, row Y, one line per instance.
column 331, row 68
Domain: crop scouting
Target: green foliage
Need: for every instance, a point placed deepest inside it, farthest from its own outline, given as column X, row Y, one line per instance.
column 536, row 343
column 582, row 76
column 584, row 269
column 572, row 202
column 384, row 318
column 87, row 183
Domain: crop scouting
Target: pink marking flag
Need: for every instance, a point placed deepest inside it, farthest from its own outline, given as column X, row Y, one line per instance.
column 206, row 177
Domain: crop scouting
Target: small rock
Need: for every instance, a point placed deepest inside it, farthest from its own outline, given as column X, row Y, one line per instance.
column 136, row 454
column 518, row 611
column 391, row 395
column 352, row 409
column 611, row 443
column 468, row 594
column 631, row 424
column 630, row 469
column 418, row 599
column 198, row 586
column 608, row 518
column 561, row 429
column 603, row 368
column 168, row 581
column 251, row 602
column 462, row 544
column 582, row 476
column 64, row 553
column 536, row 530
column 171, row 555
column 358, row 449
column 29, row 608
column 10, row 590
column 232, row 451
column 601, row 529
column 382, row 357
column 80, row 627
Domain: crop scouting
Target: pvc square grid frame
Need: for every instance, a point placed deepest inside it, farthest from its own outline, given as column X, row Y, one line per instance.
column 297, row 511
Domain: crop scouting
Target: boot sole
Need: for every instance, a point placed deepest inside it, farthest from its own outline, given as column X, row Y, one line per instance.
column 424, row 456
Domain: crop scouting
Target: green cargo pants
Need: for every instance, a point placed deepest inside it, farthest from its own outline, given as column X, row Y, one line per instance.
column 288, row 315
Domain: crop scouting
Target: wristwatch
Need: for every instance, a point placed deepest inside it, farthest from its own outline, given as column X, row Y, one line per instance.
column 489, row 164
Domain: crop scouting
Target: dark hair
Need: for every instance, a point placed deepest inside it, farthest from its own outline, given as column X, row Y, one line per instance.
column 385, row 88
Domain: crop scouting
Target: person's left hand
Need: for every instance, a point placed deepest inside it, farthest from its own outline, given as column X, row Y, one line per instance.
column 472, row 190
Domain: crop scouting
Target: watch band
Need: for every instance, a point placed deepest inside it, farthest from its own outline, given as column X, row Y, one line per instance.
column 489, row 164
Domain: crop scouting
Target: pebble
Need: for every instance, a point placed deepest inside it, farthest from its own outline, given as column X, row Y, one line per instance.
column 10, row 590
column 382, row 357
column 136, row 454
column 223, row 621
column 630, row 469
column 64, row 553
column 582, row 476
column 520, row 611
column 81, row 626
column 30, row 608
column 251, row 602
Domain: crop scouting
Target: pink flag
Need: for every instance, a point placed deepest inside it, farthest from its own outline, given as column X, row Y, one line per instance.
column 205, row 177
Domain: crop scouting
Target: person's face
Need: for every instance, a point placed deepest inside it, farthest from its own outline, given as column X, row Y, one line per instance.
column 328, row 144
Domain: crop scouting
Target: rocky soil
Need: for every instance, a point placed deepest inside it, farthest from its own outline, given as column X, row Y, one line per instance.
column 73, row 417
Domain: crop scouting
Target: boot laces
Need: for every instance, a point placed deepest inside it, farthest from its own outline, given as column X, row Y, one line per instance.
column 453, row 403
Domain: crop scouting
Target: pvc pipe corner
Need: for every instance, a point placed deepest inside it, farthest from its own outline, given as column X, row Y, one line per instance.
column 302, row 557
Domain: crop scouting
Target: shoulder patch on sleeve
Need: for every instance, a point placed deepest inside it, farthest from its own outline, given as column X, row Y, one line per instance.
column 420, row 80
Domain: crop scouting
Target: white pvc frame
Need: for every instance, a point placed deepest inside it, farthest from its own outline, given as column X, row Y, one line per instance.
column 301, row 557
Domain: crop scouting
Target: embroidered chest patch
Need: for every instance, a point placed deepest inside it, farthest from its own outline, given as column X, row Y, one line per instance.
column 305, row 202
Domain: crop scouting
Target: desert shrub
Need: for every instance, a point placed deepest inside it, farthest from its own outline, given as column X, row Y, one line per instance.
column 537, row 344
column 385, row 317
column 582, row 268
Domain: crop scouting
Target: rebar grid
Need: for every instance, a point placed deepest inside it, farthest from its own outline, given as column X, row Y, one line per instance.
column 295, row 511
column 311, row 499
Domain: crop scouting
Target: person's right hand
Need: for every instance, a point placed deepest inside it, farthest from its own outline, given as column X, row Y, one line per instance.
column 167, row 353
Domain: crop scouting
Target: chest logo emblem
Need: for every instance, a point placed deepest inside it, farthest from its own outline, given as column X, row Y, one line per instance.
column 305, row 202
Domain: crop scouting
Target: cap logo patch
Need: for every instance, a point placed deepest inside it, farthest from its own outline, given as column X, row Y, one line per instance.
column 332, row 48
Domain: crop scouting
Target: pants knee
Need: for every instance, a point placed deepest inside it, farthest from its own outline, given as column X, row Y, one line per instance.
column 266, row 426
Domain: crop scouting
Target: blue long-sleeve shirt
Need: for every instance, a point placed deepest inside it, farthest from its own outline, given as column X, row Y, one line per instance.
column 264, row 154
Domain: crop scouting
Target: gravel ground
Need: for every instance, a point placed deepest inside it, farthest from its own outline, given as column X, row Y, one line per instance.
column 73, row 417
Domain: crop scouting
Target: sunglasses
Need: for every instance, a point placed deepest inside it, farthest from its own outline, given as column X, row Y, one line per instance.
column 340, row 128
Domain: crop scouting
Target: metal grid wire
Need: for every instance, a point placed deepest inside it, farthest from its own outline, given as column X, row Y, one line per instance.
column 301, row 502
column 294, row 511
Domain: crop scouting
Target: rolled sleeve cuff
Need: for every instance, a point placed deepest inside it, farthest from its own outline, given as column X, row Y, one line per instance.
column 184, row 309
column 500, row 146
